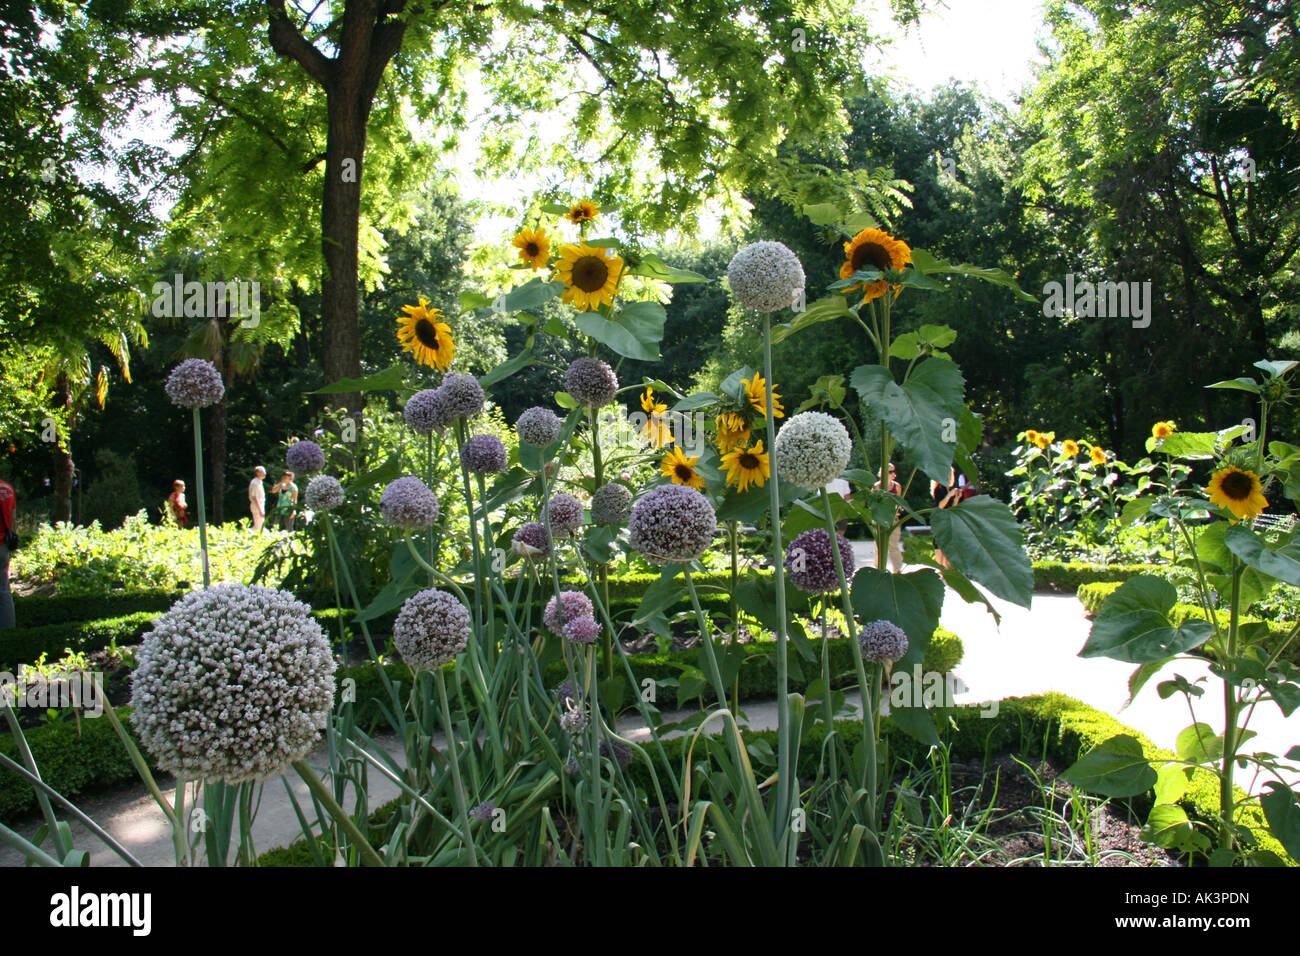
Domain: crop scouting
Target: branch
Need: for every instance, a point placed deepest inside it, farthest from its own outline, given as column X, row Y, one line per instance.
column 288, row 41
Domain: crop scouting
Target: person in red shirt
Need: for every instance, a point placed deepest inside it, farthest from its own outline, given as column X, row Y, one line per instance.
column 8, row 500
column 177, row 504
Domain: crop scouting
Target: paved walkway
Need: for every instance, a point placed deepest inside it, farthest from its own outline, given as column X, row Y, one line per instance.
column 1030, row 653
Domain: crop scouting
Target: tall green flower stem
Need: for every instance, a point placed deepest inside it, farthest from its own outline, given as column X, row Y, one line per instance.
column 602, row 570
column 473, row 536
column 785, row 754
column 428, row 481
column 349, row 826
column 199, row 493
column 867, row 687
column 458, row 787
column 706, row 638
column 1231, row 705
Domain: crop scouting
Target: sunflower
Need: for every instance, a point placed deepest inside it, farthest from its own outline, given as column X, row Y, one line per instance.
column 534, row 247
column 681, row 469
column 1238, row 490
column 1097, row 454
column 1163, row 429
column 1044, row 439
column 756, row 391
column 732, row 431
column 1031, row 437
column 590, row 275
column 1069, row 448
column 584, row 210
column 747, row 466
column 428, row 339
column 872, row 248
column 655, row 430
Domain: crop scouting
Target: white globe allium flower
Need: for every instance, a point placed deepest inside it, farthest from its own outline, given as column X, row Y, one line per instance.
column 431, row 629
column 233, row 683
column 324, row 493
column 765, row 276
column 811, row 450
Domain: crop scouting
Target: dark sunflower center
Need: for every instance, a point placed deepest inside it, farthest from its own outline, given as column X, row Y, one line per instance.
column 748, row 462
column 532, row 249
column 684, row 473
column 1236, row 486
column 590, row 273
column 427, row 333
column 871, row 253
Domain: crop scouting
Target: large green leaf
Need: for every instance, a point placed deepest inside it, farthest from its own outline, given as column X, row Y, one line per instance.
column 1133, row 624
column 925, row 263
column 1283, row 816
column 1199, row 743
column 1168, row 826
column 912, row 601
column 823, row 310
column 1195, row 445
column 531, row 295
column 921, row 413
column 1116, row 768
column 508, row 368
column 1281, row 562
column 389, row 380
column 655, row 268
column 635, row 334
column 981, row 538
column 661, row 594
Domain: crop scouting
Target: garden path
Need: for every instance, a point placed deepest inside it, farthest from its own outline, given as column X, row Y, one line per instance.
column 1032, row 652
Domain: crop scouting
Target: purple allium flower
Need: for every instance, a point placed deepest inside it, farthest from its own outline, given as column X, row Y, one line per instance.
column 530, row 540
column 426, row 411
column 811, row 564
column 484, row 455
column 575, row 604
column 305, row 457
column 811, row 450
column 568, row 690
column 765, row 276
column 538, row 426
column 672, row 523
column 611, row 504
column 233, row 683
column 566, row 514
column 324, row 493
column 463, row 395
column 431, row 629
column 591, row 381
column 582, row 630
column 407, row 503
column 616, row 750
column 357, row 414
column 195, row 383
column 483, row 811
column 882, row 641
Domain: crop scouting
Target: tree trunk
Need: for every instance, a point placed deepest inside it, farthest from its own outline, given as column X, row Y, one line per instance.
column 340, row 225
column 217, row 462
column 63, row 465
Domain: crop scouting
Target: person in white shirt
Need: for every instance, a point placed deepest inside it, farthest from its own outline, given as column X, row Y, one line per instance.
column 257, row 497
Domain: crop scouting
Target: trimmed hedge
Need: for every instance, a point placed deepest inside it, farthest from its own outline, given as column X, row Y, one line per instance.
column 1062, row 726
column 1069, row 575
column 42, row 611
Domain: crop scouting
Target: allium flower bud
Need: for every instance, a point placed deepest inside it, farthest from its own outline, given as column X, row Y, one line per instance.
column 672, row 523
column 431, row 629
column 611, row 504
column 530, row 540
column 591, row 381
column 305, row 457
column 233, row 683
column 195, row 383
column 484, row 455
column 882, row 641
column 811, row 564
column 582, row 630
column 575, row 604
column 765, row 276
column 462, row 394
column 538, row 426
column 407, row 503
column 324, row 493
column 812, row 449
column 566, row 514
column 426, row 411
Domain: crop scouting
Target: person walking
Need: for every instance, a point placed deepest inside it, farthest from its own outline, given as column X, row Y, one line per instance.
column 176, row 504
column 895, row 535
column 286, row 503
column 8, row 503
column 257, row 498
column 946, row 496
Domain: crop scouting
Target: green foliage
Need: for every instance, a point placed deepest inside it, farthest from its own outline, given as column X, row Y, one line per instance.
column 23, row 645
column 39, row 611
column 138, row 555
column 1071, row 575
